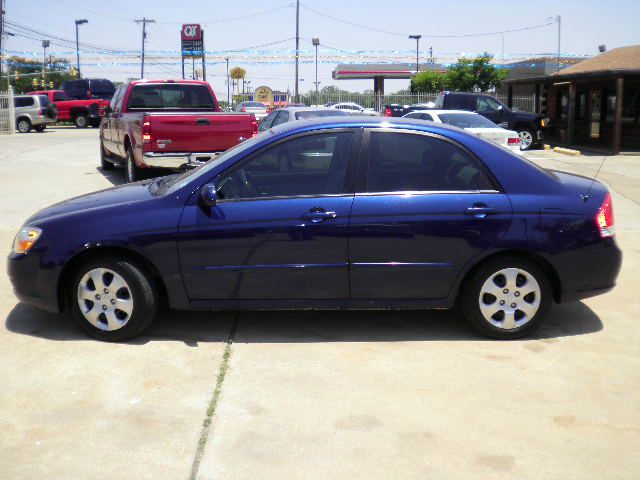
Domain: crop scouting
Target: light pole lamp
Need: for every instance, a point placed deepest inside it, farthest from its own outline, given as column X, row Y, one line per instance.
column 316, row 41
column 417, row 39
column 79, row 22
column 45, row 45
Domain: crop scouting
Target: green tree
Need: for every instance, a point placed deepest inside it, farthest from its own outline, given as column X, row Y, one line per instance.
column 467, row 75
column 429, row 82
column 237, row 74
column 57, row 71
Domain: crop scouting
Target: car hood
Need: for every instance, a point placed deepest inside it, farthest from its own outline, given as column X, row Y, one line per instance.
column 121, row 195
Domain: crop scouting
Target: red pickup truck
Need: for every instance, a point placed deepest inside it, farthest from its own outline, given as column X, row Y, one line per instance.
column 81, row 113
column 171, row 124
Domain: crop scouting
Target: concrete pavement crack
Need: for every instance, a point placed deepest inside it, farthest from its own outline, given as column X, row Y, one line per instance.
column 213, row 403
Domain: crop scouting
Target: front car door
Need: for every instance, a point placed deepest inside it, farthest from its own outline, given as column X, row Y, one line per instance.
column 279, row 230
column 424, row 208
column 492, row 109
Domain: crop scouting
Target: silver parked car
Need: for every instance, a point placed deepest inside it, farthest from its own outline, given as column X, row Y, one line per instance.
column 355, row 109
column 258, row 109
column 291, row 114
column 34, row 111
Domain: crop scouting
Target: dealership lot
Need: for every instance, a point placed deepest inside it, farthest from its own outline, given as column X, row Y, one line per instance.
column 314, row 394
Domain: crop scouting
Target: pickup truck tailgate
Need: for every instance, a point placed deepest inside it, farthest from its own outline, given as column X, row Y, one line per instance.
column 197, row 131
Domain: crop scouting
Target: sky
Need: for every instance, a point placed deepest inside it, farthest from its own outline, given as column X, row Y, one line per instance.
column 243, row 30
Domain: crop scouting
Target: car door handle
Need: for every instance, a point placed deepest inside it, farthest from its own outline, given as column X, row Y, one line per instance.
column 203, row 121
column 479, row 212
column 318, row 215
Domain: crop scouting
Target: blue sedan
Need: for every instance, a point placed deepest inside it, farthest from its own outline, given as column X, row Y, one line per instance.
column 328, row 213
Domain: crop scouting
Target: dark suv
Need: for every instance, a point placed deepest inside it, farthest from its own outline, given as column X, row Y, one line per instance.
column 89, row 88
column 530, row 126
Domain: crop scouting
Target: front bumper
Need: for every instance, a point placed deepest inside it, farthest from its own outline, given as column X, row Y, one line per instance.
column 177, row 160
column 35, row 280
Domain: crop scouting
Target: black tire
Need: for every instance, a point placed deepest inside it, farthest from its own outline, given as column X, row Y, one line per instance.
column 40, row 128
column 81, row 121
column 527, row 138
column 95, row 122
column 132, row 172
column 142, row 292
column 23, row 125
column 104, row 162
column 470, row 298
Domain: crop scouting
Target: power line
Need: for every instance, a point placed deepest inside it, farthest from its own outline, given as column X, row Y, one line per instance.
column 233, row 19
column 144, row 22
column 401, row 34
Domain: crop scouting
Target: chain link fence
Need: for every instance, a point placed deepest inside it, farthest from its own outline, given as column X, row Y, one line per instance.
column 7, row 115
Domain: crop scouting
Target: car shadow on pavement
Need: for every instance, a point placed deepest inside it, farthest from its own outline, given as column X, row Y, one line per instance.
column 305, row 326
column 115, row 176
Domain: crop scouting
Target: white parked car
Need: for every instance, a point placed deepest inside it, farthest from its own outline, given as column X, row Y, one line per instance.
column 481, row 126
column 257, row 108
column 355, row 109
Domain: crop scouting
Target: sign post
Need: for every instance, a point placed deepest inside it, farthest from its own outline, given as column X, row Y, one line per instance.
column 192, row 41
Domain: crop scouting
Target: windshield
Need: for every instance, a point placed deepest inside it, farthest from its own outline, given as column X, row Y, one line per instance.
column 174, row 182
column 320, row 113
column 466, row 120
column 171, row 96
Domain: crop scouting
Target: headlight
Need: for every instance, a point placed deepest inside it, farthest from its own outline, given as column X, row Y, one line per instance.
column 25, row 239
column 544, row 122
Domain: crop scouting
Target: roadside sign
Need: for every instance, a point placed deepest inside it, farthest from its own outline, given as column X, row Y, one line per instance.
column 263, row 94
column 192, row 40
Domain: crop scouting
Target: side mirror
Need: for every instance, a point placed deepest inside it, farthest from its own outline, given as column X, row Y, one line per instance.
column 209, row 195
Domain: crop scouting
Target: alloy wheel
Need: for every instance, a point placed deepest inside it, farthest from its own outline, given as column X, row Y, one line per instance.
column 509, row 298
column 23, row 126
column 105, row 299
column 526, row 139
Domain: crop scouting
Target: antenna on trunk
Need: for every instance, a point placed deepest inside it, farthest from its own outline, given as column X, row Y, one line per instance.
column 585, row 196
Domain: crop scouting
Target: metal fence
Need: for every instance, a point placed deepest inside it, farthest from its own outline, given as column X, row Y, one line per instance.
column 377, row 102
column 7, row 115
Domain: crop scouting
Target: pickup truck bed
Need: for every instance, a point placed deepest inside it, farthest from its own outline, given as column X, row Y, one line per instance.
column 170, row 124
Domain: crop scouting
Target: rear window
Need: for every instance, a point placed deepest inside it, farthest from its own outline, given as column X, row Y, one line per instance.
column 102, row 87
column 466, row 120
column 253, row 105
column 44, row 100
column 59, row 97
column 320, row 113
column 171, row 96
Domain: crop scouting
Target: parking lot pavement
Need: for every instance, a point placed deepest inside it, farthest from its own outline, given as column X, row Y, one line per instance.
column 313, row 394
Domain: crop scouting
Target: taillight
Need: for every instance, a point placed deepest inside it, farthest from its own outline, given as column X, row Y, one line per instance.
column 244, row 109
column 388, row 112
column 41, row 112
column 146, row 129
column 513, row 141
column 254, row 125
column 604, row 218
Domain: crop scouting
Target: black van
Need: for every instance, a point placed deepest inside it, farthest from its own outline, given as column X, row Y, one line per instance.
column 89, row 88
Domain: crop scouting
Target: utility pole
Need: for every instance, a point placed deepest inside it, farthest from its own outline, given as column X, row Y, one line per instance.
column 1, row 35
column 316, row 41
column 417, row 39
column 79, row 22
column 144, row 22
column 297, row 46
column 228, row 86
column 430, row 54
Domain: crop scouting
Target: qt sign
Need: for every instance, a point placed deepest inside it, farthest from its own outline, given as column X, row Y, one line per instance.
column 191, row 32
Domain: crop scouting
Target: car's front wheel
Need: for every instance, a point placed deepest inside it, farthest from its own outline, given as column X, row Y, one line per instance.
column 112, row 299
column 506, row 298
column 81, row 121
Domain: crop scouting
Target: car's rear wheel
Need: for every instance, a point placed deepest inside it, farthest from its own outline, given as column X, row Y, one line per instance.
column 104, row 162
column 506, row 298
column 133, row 172
column 81, row 121
column 24, row 125
column 40, row 128
column 112, row 299
column 527, row 139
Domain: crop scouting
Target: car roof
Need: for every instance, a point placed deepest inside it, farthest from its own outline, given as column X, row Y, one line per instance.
column 440, row 112
column 359, row 121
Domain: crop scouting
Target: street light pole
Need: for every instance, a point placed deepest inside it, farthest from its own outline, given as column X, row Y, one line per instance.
column 316, row 41
column 228, row 86
column 297, row 46
column 417, row 39
column 45, row 45
column 79, row 22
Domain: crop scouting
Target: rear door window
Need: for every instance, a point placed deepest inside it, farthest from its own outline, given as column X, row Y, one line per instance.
column 404, row 162
column 20, row 102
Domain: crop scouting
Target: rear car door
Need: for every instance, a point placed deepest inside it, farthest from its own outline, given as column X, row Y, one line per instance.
column 424, row 207
column 279, row 230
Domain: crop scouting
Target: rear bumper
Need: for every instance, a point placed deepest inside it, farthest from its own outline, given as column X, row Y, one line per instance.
column 177, row 160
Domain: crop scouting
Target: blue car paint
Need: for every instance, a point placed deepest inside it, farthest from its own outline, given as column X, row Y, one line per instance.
column 260, row 253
